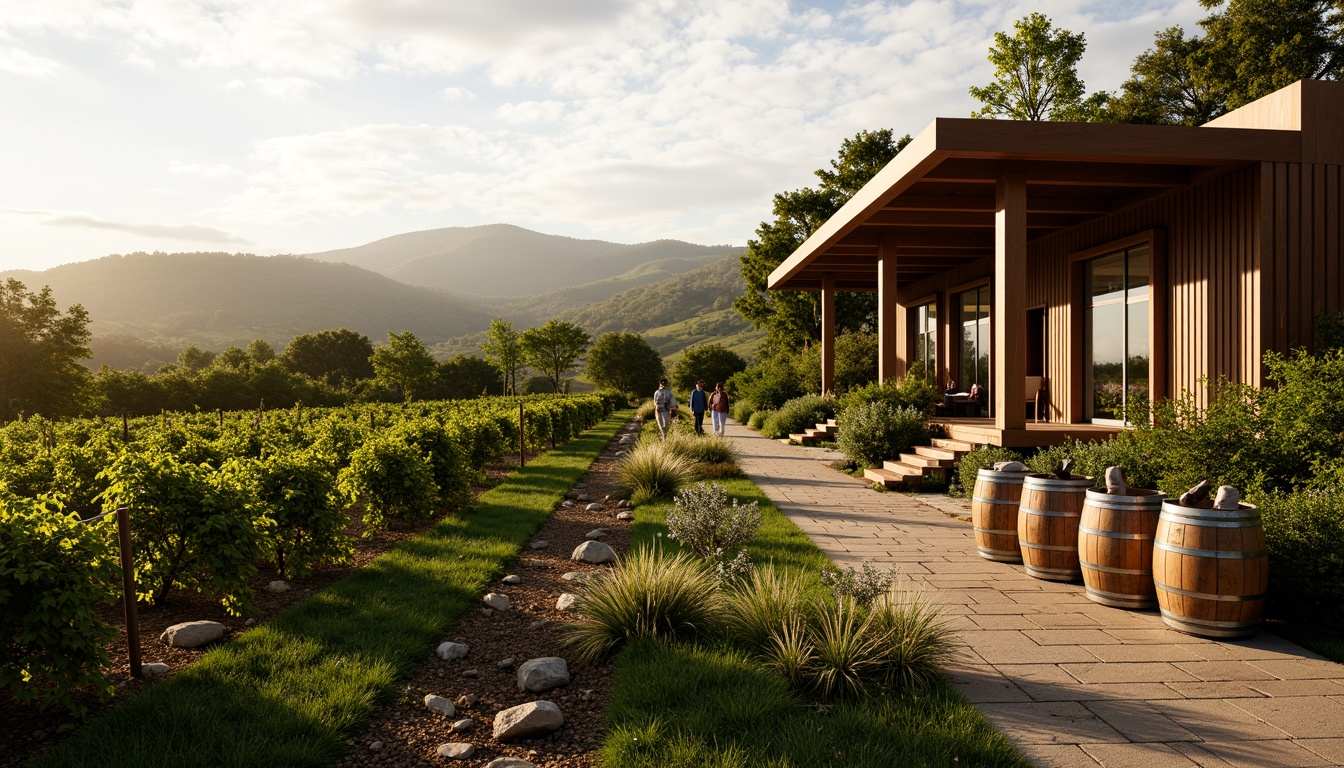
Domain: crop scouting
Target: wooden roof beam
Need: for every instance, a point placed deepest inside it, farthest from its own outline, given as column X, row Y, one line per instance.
column 969, row 219
column 1083, row 174
column 985, row 203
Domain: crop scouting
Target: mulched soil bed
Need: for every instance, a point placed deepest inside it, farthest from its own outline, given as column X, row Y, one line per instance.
column 26, row 731
column 405, row 733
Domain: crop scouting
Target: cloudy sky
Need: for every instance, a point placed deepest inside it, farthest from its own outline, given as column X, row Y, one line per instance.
column 305, row 125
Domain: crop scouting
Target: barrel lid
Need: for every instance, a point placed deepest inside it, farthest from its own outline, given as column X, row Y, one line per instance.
column 1206, row 511
column 992, row 472
column 1131, row 495
column 1047, row 482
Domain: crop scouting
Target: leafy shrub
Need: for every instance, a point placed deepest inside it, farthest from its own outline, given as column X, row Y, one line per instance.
column 763, row 602
column 652, row 470
column 703, row 520
column 54, row 570
column 447, row 461
column 863, row 586
column 769, row 385
column 910, row 392
column 1093, row 458
column 1303, row 532
column 873, row 432
column 741, row 411
column 190, row 526
column 390, row 478
column 757, row 420
column 970, row 465
column 797, row 415
column 648, row 594
column 297, row 493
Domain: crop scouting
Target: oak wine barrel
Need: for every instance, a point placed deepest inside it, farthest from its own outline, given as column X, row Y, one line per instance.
column 1211, row 569
column 1047, row 525
column 994, row 514
column 1115, row 547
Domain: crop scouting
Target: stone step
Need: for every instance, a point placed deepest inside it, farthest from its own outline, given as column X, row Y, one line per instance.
column 919, row 460
column 820, row 434
column 828, row 427
column 830, row 422
column 803, row 439
column 952, row 445
column 932, row 452
column 905, row 470
column 884, row 477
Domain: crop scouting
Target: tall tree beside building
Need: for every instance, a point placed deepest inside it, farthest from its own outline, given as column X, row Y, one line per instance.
column 502, row 349
column 40, row 350
column 553, row 349
column 1035, row 73
column 1260, row 46
column 792, row 319
column 1173, row 83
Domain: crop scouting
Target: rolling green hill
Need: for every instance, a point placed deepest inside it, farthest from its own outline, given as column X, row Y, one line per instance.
column 220, row 299
column 501, row 260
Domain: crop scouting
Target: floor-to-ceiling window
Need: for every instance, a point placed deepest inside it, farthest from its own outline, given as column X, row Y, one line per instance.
column 925, row 362
column 974, row 367
column 1115, row 335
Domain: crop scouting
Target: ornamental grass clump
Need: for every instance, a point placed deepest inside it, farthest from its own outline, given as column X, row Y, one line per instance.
column 846, row 646
column 916, row 640
column 652, row 470
column 765, row 600
column 713, row 529
column 649, row 594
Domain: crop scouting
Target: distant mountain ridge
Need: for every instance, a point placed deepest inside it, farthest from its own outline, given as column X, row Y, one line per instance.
column 502, row 261
column 221, row 299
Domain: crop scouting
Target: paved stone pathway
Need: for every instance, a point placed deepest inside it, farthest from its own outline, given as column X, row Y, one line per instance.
column 1071, row 682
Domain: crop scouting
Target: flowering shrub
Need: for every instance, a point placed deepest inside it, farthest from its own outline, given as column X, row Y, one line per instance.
column 863, row 586
column 704, row 521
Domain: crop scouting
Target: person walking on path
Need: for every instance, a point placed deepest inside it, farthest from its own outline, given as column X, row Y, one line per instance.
column 699, row 404
column 718, row 409
column 664, row 402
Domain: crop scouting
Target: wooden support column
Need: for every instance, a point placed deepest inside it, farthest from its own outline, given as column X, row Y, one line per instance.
column 1010, row 306
column 890, row 317
column 827, row 333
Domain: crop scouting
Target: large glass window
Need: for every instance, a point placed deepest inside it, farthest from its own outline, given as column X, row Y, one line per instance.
column 1115, row 334
column 926, row 341
column 974, row 369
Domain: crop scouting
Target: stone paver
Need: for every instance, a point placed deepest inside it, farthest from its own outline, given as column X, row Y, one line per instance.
column 1071, row 682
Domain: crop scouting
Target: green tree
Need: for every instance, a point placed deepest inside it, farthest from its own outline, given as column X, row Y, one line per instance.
column 1259, row 46
column 502, row 348
column 624, row 362
column 1172, row 83
column 233, row 358
column 404, row 364
column 1035, row 73
column 553, row 349
column 40, row 350
column 466, row 376
column 711, row 363
column 339, row 357
column 260, row 351
column 792, row 319
column 193, row 358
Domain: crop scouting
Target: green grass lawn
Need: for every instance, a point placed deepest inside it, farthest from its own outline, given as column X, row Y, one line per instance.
column 297, row 690
column 685, row 705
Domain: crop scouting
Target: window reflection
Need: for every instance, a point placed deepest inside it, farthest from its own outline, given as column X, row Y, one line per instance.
column 1115, row 334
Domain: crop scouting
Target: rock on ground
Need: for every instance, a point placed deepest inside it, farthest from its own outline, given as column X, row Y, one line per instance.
column 594, row 507
column 443, row 706
column 457, row 751
column 154, row 670
column 595, row 534
column 540, row 544
column 497, row 601
column 451, row 651
column 594, row 552
column 192, row 634
column 512, row 579
column 543, row 674
column 625, row 516
column 278, row 586
column 566, row 601
column 510, row 762
column 527, row 720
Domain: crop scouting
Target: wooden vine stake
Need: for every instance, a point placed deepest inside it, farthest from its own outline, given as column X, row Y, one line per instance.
column 128, row 589
column 522, row 451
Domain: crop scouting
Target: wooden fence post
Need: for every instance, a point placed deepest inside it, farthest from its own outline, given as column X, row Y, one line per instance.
column 128, row 589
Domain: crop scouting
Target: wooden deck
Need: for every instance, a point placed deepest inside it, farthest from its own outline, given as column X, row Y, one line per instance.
column 979, row 431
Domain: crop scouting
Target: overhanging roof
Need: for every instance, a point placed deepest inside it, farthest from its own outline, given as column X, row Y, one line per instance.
column 934, row 203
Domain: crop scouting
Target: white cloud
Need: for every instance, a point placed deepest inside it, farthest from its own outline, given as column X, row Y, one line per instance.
column 191, row 232
column 17, row 61
column 454, row 93
column 284, row 87
column 204, row 170
column 531, row 112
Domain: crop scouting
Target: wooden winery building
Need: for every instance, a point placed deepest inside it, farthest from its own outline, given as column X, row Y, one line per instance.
column 1091, row 266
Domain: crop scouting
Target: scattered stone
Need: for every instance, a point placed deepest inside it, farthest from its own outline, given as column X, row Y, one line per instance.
column 487, row 612
column 454, row 751
column 376, row 746
column 595, row 534
column 606, row 498
column 505, row 663
column 451, row 651
column 192, row 634
column 463, row 725
column 540, row 675
column 467, row 700
column 583, row 499
column 250, row 623
column 540, row 544
column 471, row 673
column 497, row 601
column 512, row 579
column 623, row 503
column 593, row 552
column 569, row 504
column 437, row 703
column 619, row 454
column 626, row 515
column 509, row 762
column 593, row 508
column 535, row 563
column 1115, row 481
column 154, row 670
column 538, row 624
column 1227, row 498
column 566, row 601
column 575, row 576
column 585, row 694
column 526, row 720
column 278, row 586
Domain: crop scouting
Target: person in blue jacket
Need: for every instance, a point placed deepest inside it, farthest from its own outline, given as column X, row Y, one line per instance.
column 699, row 404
